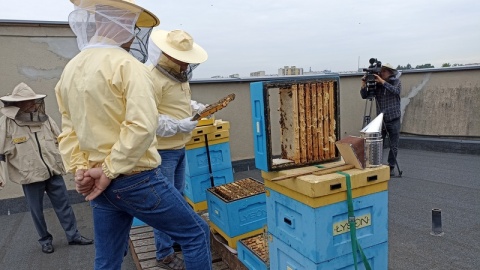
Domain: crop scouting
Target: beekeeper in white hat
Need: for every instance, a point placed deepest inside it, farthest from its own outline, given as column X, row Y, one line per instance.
column 29, row 156
column 109, row 119
column 173, row 55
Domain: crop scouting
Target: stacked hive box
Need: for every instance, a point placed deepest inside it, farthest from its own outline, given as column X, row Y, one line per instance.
column 295, row 126
column 307, row 217
column 253, row 252
column 197, row 175
column 237, row 210
column 208, row 161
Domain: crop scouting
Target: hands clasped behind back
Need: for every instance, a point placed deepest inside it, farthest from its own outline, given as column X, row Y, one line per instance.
column 83, row 185
column 91, row 183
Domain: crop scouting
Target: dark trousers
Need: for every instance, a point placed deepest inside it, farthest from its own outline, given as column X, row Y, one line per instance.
column 393, row 129
column 57, row 192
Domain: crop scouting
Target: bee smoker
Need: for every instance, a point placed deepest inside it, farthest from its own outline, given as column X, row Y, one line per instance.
column 372, row 134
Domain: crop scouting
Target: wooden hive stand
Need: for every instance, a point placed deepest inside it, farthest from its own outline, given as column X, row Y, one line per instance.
column 142, row 248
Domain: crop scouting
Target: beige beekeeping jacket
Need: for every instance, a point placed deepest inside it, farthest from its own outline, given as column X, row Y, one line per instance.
column 109, row 117
column 31, row 151
column 172, row 99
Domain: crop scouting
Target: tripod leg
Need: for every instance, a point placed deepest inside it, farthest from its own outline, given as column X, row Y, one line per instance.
column 366, row 117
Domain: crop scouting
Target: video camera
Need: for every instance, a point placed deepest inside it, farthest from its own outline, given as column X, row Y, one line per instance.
column 371, row 84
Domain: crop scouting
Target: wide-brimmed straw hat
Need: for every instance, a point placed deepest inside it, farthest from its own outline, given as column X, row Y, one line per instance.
column 21, row 92
column 390, row 67
column 146, row 18
column 179, row 45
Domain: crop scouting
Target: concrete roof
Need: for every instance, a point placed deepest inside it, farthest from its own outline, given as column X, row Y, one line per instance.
column 448, row 181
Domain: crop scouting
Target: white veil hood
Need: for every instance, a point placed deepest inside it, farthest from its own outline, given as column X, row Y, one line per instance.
column 102, row 25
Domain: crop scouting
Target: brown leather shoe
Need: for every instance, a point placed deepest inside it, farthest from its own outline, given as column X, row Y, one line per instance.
column 172, row 262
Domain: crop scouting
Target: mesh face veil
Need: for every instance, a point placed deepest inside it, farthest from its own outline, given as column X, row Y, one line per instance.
column 167, row 67
column 182, row 76
column 107, row 26
column 34, row 112
column 139, row 47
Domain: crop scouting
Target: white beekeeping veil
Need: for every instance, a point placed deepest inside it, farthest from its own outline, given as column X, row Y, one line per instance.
column 112, row 23
column 100, row 25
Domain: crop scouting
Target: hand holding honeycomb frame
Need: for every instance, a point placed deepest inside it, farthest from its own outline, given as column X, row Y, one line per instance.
column 215, row 107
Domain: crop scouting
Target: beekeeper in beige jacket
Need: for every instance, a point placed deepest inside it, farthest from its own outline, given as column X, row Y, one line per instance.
column 29, row 157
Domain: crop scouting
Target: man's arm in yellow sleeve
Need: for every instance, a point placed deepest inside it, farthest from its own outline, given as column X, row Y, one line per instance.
column 68, row 145
column 137, row 131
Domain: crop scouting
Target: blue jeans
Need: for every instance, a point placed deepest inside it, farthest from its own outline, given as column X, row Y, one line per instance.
column 393, row 129
column 150, row 197
column 173, row 167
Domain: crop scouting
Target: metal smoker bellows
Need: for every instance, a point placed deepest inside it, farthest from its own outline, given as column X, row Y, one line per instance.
column 372, row 134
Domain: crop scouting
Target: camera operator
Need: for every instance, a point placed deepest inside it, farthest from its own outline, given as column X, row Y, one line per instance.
column 387, row 94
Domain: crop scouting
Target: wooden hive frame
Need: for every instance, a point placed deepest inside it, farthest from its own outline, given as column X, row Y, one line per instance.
column 308, row 121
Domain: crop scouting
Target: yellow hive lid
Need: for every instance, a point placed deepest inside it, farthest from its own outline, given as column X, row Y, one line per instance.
column 206, row 121
column 315, row 186
column 221, row 125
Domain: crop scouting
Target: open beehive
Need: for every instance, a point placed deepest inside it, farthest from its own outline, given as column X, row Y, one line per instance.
column 237, row 210
column 238, row 190
column 258, row 245
column 295, row 122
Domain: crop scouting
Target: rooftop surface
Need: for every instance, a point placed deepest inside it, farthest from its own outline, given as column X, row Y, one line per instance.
column 447, row 181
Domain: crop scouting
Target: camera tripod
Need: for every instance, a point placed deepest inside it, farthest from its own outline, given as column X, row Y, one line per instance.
column 366, row 120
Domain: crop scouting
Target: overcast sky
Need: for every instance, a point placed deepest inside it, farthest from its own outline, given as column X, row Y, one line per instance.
column 254, row 35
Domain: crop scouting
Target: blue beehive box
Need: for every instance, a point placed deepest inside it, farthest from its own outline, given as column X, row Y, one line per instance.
column 307, row 117
column 137, row 222
column 198, row 162
column 237, row 216
column 196, row 186
column 283, row 256
column 322, row 233
column 251, row 258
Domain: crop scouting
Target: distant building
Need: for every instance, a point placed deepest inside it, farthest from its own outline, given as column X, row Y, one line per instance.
column 234, row 76
column 257, row 74
column 325, row 71
column 290, row 71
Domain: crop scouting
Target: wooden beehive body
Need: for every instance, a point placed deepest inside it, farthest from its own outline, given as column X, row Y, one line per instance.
column 253, row 252
column 207, row 161
column 237, row 209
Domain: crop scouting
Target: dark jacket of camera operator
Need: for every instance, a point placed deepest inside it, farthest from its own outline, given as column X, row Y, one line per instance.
column 387, row 93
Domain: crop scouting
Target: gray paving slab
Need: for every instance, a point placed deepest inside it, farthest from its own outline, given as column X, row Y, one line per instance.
column 19, row 249
column 447, row 181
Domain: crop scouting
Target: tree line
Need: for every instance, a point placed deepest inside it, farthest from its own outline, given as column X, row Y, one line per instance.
column 408, row 66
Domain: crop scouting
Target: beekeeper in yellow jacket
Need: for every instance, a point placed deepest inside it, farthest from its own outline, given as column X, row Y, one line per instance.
column 109, row 118
column 173, row 55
